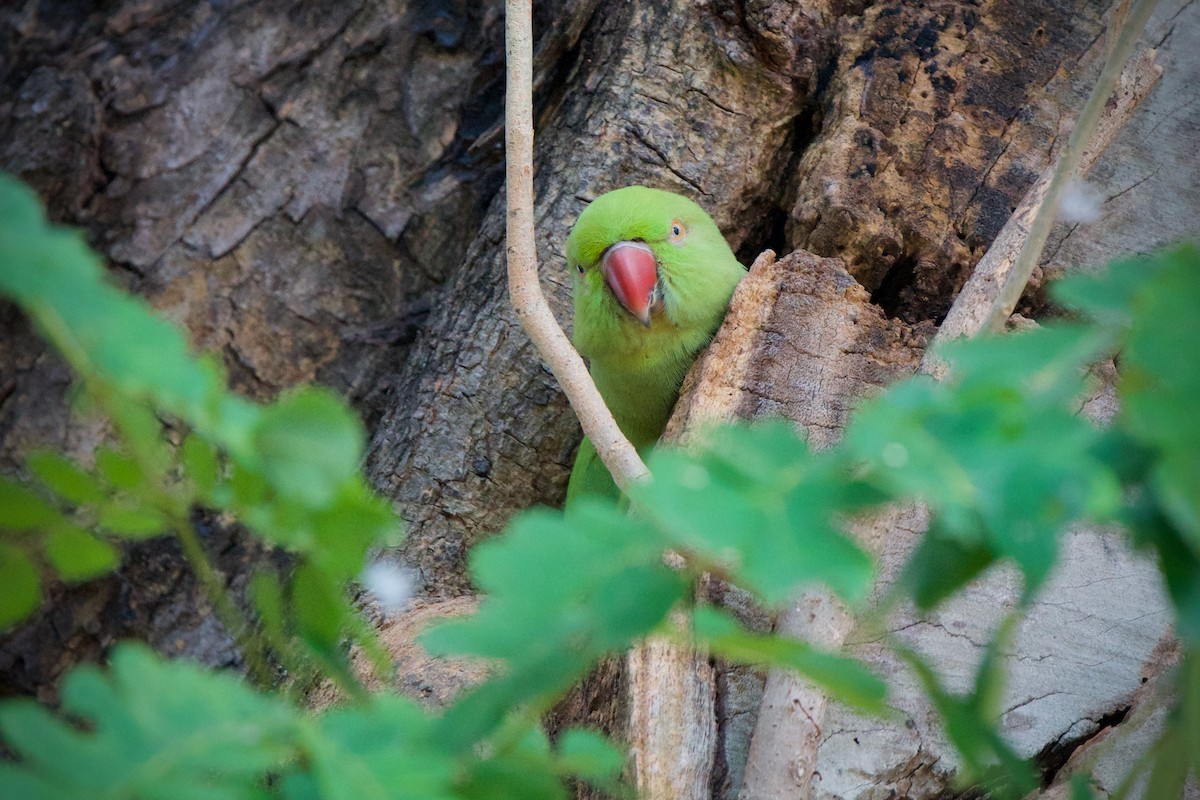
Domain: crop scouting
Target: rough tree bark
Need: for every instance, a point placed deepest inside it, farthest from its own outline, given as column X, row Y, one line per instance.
column 290, row 181
column 312, row 189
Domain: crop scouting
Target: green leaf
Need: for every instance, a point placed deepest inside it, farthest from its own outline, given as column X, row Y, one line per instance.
column 17, row 783
column 247, row 489
column 588, row 755
column 1172, row 760
column 1080, row 788
column 845, row 678
column 1176, row 483
column 119, row 469
column 506, row 778
column 772, row 452
column 381, row 749
column 771, row 523
column 599, row 578
column 200, row 464
column 154, row 729
column 21, row 509
column 991, row 675
column 268, row 601
column 1188, row 719
column 65, row 477
column 142, row 434
column 318, row 607
column 103, row 332
column 1178, row 563
column 524, row 769
column 1107, row 296
column 986, row 757
column 998, row 450
column 20, row 589
column 133, row 522
column 323, row 617
column 941, row 565
column 38, row 261
column 1160, row 376
column 562, row 590
column 1042, row 364
column 346, row 530
column 1155, row 301
column 20, row 212
column 78, row 555
column 308, row 443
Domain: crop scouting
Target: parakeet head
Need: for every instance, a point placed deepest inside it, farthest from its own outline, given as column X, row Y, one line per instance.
column 650, row 258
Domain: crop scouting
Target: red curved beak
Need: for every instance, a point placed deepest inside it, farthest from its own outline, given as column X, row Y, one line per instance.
column 631, row 272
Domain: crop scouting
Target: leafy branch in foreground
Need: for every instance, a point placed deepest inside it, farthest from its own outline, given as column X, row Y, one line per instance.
column 288, row 470
column 997, row 451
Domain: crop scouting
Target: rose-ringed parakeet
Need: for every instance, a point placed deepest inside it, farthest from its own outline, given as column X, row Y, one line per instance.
column 653, row 276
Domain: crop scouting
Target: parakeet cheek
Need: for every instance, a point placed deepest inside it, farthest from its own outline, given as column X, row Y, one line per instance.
column 586, row 282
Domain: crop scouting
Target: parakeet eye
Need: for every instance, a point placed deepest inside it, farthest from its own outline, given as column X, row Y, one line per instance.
column 677, row 231
column 580, row 268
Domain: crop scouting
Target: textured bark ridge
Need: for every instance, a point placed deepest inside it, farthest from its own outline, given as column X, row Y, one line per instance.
column 802, row 341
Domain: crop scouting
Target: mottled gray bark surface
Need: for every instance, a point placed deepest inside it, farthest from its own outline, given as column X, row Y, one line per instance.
column 311, row 189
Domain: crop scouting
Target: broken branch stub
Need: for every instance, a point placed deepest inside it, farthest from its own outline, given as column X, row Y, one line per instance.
column 783, row 755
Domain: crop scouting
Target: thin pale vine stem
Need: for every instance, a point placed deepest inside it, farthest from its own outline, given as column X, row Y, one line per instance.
column 1068, row 164
column 524, row 288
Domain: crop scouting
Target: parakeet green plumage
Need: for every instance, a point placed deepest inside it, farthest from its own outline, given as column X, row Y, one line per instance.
column 653, row 277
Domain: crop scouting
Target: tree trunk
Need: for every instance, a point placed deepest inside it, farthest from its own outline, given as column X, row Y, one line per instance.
column 312, row 189
column 290, row 181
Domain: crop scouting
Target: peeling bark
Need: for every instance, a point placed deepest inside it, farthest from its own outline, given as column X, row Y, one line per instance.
column 802, row 341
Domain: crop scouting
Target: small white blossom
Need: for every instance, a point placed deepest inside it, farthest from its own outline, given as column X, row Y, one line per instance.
column 1080, row 203
column 391, row 584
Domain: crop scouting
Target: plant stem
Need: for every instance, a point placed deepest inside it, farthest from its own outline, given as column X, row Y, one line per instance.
column 524, row 289
column 1068, row 166
column 176, row 508
column 229, row 614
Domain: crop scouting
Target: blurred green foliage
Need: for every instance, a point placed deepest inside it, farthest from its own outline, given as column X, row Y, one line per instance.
column 998, row 452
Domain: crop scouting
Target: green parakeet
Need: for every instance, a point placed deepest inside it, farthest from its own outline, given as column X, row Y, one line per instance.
column 653, row 277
